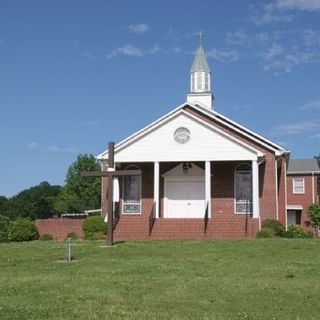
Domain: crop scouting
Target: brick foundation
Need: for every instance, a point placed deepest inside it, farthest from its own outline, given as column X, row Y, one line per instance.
column 137, row 228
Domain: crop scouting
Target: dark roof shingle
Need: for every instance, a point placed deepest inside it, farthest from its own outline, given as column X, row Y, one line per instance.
column 303, row 165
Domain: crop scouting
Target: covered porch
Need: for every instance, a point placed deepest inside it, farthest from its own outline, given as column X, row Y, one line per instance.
column 193, row 189
column 190, row 199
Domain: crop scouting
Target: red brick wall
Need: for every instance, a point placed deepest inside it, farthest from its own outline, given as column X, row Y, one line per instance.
column 305, row 199
column 136, row 226
column 225, row 222
column 59, row 228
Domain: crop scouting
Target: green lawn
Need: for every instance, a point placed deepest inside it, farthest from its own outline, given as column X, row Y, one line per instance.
column 249, row 279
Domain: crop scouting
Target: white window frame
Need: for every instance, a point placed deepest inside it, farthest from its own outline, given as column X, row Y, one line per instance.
column 235, row 188
column 133, row 203
column 294, row 180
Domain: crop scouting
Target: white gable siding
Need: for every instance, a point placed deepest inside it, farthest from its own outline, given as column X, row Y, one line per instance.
column 206, row 143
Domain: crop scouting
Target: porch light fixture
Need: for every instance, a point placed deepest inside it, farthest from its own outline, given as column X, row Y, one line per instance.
column 186, row 166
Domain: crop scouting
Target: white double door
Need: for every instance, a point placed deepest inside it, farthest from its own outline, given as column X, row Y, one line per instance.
column 185, row 199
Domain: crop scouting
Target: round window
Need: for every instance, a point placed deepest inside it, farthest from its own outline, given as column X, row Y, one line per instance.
column 182, row 135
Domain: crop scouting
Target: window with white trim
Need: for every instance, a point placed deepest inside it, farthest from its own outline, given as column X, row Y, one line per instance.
column 298, row 185
column 131, row 194
column 243, row 188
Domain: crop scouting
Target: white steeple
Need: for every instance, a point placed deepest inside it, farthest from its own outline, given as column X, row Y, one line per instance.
column 200, row 79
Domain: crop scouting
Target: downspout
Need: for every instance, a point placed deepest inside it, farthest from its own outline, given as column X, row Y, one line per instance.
column 277, row 191
column 313, row 187
column 286, row 195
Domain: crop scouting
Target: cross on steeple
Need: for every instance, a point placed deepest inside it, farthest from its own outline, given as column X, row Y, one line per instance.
column 200, row 34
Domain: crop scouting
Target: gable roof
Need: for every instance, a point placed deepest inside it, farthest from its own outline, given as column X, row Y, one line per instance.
column 243, row 130
column 210, row 113
column 303, row 166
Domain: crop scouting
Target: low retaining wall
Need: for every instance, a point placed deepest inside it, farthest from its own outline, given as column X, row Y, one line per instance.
column 59, row 228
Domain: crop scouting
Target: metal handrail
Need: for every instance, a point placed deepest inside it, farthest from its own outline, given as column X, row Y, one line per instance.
column 206, row 218
column 116, row 215
column 152, row 217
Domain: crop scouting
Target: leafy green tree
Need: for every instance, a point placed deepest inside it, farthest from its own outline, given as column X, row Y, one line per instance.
column 35, row 202
column 23, row 229
column 4, row 228
column 314, row 214
column 80, row 193
column 3, row 204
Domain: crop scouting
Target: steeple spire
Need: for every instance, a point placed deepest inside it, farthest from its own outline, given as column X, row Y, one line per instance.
column 200, row 62
column 200, row 78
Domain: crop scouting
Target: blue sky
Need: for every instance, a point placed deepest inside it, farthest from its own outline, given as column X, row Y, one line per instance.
column 70, row 70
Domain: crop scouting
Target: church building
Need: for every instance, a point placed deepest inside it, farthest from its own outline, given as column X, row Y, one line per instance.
column 204, row 175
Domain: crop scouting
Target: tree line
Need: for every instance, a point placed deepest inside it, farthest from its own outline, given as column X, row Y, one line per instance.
column 45, row 200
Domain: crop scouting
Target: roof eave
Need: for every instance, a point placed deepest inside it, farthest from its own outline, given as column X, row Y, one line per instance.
column 303, row 172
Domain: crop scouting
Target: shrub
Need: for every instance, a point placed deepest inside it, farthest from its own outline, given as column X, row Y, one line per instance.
column 265, row 233
column 94, row 228
column 46, row 237
column 4, row 228
column 309, row 234
column 73, row 235
column 295, row 231
column 274, row 225
column 23, row 229
column 314, row 214
column 94, row 236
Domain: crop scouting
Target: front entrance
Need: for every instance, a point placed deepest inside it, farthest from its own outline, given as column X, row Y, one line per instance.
column 184, row 193
column 186, row 199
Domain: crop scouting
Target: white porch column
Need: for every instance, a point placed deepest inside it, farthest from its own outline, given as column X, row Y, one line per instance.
column 208, row 186
column 255, row 190
column 156, row 188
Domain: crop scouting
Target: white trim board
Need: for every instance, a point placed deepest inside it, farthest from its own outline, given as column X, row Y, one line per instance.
column 302, row 172
column 294, row 207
